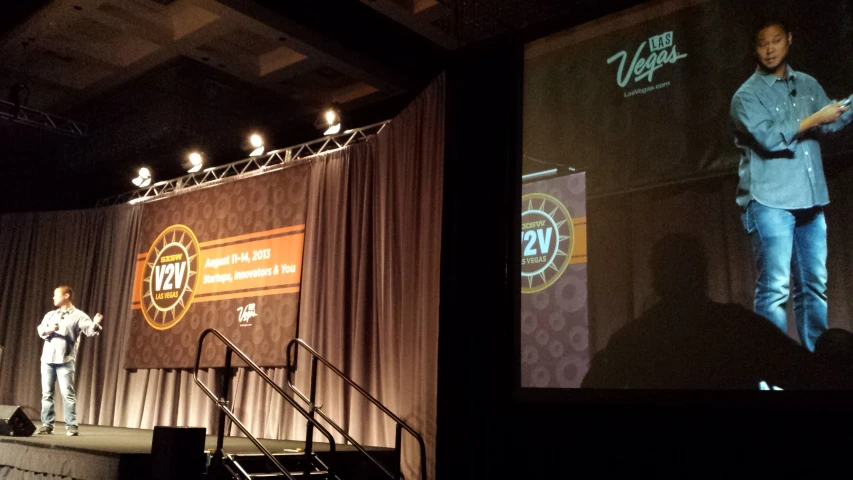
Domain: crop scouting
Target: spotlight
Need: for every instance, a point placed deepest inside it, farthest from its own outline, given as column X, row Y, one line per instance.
column 330, row 120
column 257, row 143
column 143, row 179
column 331, row 117
column 197, row 161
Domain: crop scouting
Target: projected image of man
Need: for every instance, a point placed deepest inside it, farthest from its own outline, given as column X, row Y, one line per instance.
column 779, row 116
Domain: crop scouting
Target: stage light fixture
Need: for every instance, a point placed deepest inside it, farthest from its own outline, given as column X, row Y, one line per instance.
column 330, row 120
column 331, row 117
column 143, row 178
column 257, row 142
column 196, row 160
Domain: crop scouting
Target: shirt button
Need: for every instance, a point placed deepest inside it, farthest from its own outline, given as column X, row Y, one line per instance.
column 810, row 169
column 795, row 104
column 807, row 153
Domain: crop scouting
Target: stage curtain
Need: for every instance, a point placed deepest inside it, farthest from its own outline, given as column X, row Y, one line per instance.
column 370, row 297
column 94, row 252
column 91, row 250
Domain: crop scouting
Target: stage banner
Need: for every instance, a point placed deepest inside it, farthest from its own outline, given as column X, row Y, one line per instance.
column 554, row 312
column 643, row 97
column 227, row 257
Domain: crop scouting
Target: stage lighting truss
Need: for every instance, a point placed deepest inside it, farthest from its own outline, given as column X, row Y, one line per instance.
column 34, row 118
column 268, row 162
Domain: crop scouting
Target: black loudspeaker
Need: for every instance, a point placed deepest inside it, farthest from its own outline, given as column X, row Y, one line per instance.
column 13, row 422
column 178, row 453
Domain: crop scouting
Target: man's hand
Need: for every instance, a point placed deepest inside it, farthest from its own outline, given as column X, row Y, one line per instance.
column 827, row 114
column 830, row 113
column 98, row 318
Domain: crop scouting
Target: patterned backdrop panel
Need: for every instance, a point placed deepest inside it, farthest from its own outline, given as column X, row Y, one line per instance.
column 227, row 257
column 554, row 326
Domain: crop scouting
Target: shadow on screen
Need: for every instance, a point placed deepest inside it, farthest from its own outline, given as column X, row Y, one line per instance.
column 834, row 355
column 687, row 341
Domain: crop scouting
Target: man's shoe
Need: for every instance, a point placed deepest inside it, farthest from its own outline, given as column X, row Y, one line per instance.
column 44, row 431
column 72, row 432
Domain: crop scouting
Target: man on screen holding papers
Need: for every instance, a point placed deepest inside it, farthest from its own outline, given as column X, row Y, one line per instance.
column 779, row 114
column 61, row 329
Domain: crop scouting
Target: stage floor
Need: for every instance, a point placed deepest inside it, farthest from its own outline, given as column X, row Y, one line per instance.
column 112, row 452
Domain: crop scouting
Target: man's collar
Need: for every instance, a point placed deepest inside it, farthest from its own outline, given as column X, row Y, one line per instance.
column 68, row 310
column 770, row 79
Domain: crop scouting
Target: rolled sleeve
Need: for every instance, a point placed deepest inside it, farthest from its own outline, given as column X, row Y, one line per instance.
column 753, row 119
column 88, row 327
column 43, row 328
column 822, row 100
column 839, row 124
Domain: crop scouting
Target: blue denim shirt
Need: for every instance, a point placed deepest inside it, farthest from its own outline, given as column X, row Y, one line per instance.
column 778, row 168
column 61, row 346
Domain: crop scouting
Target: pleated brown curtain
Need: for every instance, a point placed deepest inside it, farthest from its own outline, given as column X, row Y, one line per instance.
column 370, row 296
column 91, row 250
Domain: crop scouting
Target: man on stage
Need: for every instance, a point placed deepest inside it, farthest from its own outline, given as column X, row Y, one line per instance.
column 61, row 329
column 779, row 115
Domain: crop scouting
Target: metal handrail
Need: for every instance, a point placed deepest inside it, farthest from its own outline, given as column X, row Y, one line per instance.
column 401, row 425
column 222, row 402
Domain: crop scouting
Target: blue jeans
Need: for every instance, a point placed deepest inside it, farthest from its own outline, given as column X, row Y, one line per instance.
column 50, row 373
column 782, row 239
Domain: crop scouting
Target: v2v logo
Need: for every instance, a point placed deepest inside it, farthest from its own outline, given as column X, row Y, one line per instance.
column 547, row 240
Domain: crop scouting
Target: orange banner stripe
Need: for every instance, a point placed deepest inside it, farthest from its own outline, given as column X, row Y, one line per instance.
column 578, row 259
column 137, row 281
column 580, row 248
column 249, row 236
column 262, row 293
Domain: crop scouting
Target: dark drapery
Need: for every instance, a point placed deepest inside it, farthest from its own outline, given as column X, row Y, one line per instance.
column 369, row 301
column 370, row 294
column 91, row 250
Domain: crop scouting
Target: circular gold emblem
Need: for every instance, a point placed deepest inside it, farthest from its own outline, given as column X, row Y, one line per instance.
column 547, row 240
column 169, row 277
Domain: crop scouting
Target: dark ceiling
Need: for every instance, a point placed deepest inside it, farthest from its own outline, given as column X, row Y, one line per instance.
column 153, row 79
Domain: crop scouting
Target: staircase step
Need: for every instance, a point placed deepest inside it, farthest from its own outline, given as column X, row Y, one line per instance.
column 257, row 465
column 314, row 475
